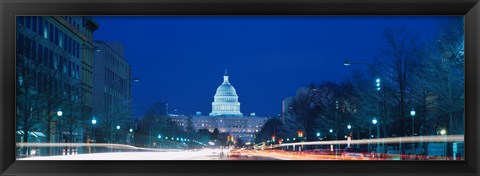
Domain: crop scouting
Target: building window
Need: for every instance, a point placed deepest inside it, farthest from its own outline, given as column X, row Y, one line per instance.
column 34, row 27
column 50, row 33
column 55, row 37
column 60, row 41
column 40, row 25
column 27, row 21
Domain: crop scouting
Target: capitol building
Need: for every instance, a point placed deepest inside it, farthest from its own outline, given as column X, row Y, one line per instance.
column 227, row 117
column 225, row 102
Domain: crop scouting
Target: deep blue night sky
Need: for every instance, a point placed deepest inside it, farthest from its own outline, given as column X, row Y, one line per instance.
column 181, row 59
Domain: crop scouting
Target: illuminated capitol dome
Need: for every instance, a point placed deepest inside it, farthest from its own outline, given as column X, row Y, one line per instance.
column 226, row 100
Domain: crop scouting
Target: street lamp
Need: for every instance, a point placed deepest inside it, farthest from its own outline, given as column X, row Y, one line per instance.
column 375, row 122
column 377, row 81
column 349, row 126
column 412, row 113
column 60, row 136
column 59, row 114
column 131, row 130
column 94, row 121
column 118, row 127
column 443, row 132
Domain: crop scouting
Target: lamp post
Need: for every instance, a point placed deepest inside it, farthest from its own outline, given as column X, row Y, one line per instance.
column 94, row 121
column 60, row 135
column 131, row 137
column 375, row 122
column 116, row 134
column 318, row 135
column 443, row 132
column 159, row 138
column 412, row 113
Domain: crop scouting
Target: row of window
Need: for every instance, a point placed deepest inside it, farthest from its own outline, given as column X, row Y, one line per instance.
column 112, row 60
column 44, row 83
column 114, row 81
column 42, row 55
column 73, row 22
column 114, row 104
column 226, row 99
column 226, row 108
column 50, row 32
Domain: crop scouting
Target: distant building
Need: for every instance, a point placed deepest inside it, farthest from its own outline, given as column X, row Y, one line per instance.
column 111, row 86
column 227, row 117
column 286, row 107
column 182, row 121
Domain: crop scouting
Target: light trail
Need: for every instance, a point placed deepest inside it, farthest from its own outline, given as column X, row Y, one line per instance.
column 104, row 145
column 204, row 154
column 411, row 139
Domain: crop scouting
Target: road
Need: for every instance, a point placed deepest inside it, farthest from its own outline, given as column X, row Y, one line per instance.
column 204, row 154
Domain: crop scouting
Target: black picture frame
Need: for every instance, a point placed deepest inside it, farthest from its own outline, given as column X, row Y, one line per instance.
column 469, row 8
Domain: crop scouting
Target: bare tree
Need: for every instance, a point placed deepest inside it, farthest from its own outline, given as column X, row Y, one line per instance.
column 399, row 57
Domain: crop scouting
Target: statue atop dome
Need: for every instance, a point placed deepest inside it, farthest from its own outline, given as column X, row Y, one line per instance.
column 225, row 77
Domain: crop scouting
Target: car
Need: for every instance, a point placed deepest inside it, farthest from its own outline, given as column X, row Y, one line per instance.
column 324, row 152
column 352, row 153
column 234, row 153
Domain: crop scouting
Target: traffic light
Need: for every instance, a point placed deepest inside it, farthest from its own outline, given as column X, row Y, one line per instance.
column 300, row 133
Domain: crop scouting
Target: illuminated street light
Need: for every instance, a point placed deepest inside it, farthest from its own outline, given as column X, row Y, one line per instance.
column 378, row 83
column 443, row 132
column 131, row 130
column 412, row 113
column 159, row 136
column 118, row 127
column 374, row 121
column 94, row 121
column 318, row 134
column 349, row 126
column 59, row 114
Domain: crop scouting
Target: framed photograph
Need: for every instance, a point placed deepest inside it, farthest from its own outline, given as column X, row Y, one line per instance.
column 240, row 87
